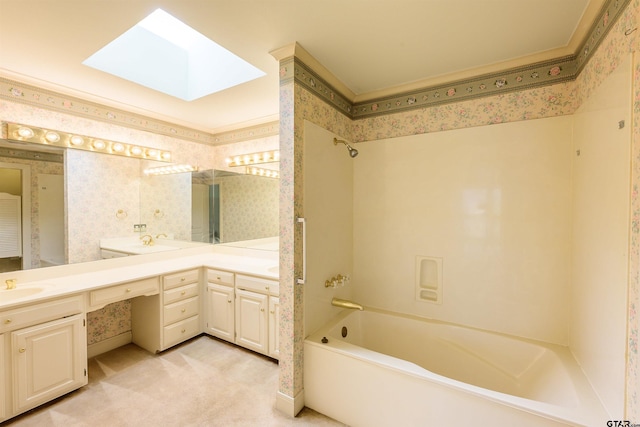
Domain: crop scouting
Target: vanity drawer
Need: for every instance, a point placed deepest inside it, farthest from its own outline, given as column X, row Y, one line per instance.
column 181, row 331
column 180, row 310
column 102, row 297
column 177, row 294
column 257, row 284
column 38, row 313
column 183, row 278
column 220, row 277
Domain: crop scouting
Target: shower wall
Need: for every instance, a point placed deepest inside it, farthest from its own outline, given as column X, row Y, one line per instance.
column 493, row 202
column 328, row 207
column 600, row 260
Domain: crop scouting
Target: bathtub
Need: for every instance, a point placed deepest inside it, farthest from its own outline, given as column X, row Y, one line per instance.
column 385, row 369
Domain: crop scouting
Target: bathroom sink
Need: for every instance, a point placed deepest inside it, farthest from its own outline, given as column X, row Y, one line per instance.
column 12, row 294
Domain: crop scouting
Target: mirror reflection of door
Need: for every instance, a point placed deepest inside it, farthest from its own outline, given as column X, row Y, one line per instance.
column 51, row 219
column 215, row 217
column 13, row 216
column 200, row 213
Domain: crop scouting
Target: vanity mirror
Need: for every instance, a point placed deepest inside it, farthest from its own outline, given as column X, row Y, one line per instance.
column 106, row 196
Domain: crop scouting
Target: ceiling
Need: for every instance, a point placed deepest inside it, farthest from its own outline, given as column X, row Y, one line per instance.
column 373, row 47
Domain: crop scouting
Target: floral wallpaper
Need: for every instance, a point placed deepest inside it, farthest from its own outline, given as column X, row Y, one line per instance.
column 249, row 207
column 547, row 101
column 98, row 187
column 165, row 205
column 108, row 322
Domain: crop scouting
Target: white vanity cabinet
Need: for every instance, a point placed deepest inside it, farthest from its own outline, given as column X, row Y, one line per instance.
column 252, row 320
column 123, row 291
column 220, row 304
column 45, row 353
column 244, row 310
column 274, row 326
column 255, row 324
column 171, row 317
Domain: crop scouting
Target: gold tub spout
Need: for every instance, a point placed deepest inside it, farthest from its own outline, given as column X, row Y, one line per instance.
column 346, row 304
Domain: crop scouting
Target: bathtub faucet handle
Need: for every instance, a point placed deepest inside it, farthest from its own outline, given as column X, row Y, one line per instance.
column 336, row 281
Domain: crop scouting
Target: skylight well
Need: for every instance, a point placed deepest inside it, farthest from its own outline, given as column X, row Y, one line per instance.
column 164, row 54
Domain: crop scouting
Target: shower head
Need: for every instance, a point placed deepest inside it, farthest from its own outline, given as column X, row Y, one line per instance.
column 352, row 151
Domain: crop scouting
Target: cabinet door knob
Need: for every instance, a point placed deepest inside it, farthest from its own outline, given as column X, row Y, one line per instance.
column 183, row 292
column 22, row 350
column 229, row 301
column 183, row 331
column 218, row 277
column 262, row 309
column 266, row 287
column 128, row 290
column 7, row 321
column 182, row 279
column 184, row 309
column 272, row 312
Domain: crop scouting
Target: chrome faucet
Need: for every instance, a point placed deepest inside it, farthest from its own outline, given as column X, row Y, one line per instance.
column 11, row 283
column 346, row 304
column 147, row 242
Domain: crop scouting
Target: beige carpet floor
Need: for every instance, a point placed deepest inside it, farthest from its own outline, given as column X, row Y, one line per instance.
column 203, row 382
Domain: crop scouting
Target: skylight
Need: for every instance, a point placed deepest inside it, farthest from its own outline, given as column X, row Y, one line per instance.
column 164, row 54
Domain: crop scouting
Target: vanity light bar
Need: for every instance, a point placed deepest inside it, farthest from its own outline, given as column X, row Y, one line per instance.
column 56, row 138
column 253, row 158
column 269, row 173
column 165, row 170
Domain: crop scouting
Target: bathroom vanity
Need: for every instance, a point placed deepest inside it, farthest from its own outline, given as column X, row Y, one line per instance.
column 230, row 293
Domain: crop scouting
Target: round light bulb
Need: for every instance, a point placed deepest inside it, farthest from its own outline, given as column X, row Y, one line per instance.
column 52, row 137
column 98, row 144
column 76, row 140
column 24, row 132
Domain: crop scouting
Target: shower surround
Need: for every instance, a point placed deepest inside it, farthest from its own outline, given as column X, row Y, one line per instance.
column 301, row 106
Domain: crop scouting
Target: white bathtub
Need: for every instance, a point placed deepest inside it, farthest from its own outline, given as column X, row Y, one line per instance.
column 393, row 370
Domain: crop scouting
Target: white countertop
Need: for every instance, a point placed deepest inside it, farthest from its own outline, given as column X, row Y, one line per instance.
column 76, row 278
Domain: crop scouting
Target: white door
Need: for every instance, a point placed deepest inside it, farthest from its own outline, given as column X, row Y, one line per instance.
column 49, row 360
column 251, row 320
column 220, row 311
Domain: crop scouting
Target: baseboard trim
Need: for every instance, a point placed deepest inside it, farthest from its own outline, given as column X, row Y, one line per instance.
column 108, row 344
column 290, row 405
